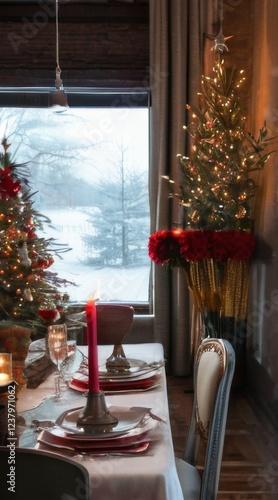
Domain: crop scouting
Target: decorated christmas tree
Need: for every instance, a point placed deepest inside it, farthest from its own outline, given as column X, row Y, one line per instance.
column 216, row 242
column 29, row 292
column 219, row 187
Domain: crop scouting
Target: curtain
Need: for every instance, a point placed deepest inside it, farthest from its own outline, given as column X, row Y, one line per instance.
column 262, row 339
column 177, row 30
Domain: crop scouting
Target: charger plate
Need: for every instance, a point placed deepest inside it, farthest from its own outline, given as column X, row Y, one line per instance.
column 61, row 438
column 130, row 419
column 122, row 389
column 144, row 381
column 82, row 374
column 52, row 441
column 134, row 440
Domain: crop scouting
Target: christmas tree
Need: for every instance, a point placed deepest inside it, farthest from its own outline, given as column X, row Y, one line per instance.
column 29, row 292
column 218, row 189
column 216, row 242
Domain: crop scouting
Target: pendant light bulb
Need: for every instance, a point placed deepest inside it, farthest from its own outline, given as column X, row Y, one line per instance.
column 58, row 97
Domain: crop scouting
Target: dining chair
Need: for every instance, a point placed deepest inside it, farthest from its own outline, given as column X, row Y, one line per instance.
column 30, row 473
column 113, row 324
column 213, row 374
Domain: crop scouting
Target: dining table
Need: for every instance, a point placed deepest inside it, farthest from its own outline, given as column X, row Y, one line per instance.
column 120, row 474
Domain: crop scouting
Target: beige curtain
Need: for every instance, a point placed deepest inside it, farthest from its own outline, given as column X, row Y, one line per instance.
column 177, row 30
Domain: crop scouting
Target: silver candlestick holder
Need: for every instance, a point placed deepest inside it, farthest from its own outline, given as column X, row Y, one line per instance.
column 95, row 416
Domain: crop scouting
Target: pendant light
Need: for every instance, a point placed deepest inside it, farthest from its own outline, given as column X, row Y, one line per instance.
column 58, row 97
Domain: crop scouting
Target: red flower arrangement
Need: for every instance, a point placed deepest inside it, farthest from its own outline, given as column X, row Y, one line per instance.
column 177, row 247
column 216, row 263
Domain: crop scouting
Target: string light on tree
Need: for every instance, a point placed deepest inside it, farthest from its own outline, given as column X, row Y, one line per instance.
column 218, row 189
column 28, row 290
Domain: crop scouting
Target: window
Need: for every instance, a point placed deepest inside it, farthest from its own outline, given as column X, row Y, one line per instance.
column 89, row 169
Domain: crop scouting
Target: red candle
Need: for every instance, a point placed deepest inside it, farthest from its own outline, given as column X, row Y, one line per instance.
column 91, row 316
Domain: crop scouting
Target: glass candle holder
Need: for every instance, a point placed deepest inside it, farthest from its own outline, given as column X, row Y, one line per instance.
column 5, row 369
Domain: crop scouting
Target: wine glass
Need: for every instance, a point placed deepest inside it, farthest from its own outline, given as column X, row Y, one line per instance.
column 71, row 363
column 57, row 345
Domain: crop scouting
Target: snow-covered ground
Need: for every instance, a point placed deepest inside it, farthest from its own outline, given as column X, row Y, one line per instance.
column 113, row 284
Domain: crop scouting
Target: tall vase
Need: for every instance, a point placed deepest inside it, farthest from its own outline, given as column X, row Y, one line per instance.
column 220, row 291
column 234, row 330
column 15, row 339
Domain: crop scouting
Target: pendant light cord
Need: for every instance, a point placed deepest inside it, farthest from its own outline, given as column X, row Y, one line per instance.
column 219, row 11
column 58, row 81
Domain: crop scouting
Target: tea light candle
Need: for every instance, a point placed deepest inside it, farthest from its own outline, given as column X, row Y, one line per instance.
column 5, row 369
column 91, row 316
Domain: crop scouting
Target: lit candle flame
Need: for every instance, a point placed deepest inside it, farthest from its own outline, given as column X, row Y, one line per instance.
column 95, row 296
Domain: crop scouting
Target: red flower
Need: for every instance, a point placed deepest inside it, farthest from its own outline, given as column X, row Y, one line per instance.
column 193, row 245
column 223, row 245
column 244, row 245
column 196, row 245
column 164, row 246
column 237, row 245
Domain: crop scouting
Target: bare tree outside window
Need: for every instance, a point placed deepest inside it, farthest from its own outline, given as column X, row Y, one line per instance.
column 122, row 225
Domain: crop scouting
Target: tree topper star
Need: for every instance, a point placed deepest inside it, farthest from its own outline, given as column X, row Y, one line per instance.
column 219, row 41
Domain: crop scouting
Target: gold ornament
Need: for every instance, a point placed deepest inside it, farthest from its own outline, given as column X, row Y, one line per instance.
column 241, row 213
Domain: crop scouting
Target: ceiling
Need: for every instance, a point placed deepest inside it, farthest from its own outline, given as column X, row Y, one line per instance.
column 104, row 43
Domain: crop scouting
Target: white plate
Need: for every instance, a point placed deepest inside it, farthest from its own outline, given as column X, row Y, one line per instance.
column 128, row 419
column 117, row 378
column 137, row 368
column 149, row 430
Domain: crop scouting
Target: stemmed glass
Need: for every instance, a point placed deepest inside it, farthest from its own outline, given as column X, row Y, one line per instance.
column 57, row 345
column 70, row 364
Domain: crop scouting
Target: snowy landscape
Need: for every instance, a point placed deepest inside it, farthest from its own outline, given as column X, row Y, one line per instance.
column 114, row 284
column 91, row 181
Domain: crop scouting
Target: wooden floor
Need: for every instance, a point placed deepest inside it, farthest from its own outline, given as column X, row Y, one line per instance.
column 250, row 458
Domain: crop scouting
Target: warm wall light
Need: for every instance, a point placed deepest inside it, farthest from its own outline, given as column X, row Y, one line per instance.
column 58, row 97
column 5, row 369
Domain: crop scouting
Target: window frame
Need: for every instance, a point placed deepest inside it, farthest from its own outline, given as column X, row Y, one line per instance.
column 39, row 97
column 29, row 97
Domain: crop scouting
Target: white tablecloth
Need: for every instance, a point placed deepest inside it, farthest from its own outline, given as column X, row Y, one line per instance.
column 149, row 476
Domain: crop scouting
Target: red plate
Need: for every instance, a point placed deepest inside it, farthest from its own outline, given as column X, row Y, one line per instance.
column 106, row 385
column 52, row 440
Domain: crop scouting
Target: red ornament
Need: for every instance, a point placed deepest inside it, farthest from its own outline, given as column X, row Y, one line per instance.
column 32, row 234
column 8, row 188
column 44, row 263
column 49, row 315
column 50, row 261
